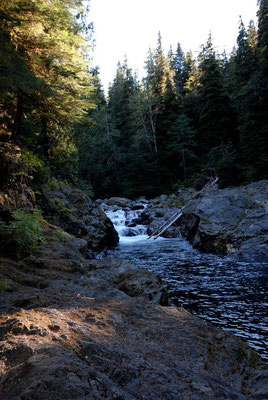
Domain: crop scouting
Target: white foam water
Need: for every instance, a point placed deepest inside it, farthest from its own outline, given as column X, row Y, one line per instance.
column 126, row 223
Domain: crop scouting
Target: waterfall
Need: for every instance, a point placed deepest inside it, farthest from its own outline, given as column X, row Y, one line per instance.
column 128, row 223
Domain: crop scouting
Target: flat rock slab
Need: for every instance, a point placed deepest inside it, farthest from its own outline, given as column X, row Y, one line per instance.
column 92, row 333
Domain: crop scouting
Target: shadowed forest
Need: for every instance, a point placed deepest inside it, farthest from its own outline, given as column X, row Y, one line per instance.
column 147, row 137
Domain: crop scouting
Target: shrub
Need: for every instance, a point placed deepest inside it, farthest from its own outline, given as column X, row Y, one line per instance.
column 21, row 235
column 4, row 285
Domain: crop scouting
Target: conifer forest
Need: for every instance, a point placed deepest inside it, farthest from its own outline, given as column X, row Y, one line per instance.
column 145, row 137
column 133, row 218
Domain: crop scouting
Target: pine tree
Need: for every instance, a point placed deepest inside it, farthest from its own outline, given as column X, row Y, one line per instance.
column 164, row 106
column 53, row 90
column 120, row 93
column 261, row 137
column 217, row 120
column 181, row 144
column 178, row 65
column 251, row 96
column 190, row 89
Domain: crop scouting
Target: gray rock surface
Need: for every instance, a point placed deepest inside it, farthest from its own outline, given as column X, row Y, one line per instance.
column 229, row 220
column 224, row 221
column 78, row 215
column 78, row 329
column 121, row 202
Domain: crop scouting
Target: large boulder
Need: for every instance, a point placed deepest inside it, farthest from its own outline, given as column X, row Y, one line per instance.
column 77, row 214
column 121, row 202
column 229, row 220
column 223, row 221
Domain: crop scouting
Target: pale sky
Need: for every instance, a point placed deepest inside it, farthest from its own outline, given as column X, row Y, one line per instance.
column 131, row 27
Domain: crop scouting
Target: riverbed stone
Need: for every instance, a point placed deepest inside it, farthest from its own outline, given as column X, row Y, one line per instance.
column 121, row 202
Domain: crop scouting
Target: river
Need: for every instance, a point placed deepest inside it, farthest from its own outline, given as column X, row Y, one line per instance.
column 225, row 291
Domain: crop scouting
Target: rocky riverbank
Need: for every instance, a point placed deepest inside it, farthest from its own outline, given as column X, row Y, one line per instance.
column 73, row 327
column 222, row 221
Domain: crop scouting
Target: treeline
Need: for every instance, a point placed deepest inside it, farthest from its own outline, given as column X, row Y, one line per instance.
column 45, row 89
column 147, row 137
column 186, row 115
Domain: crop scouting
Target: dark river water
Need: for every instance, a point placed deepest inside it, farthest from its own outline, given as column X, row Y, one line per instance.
column 229, row 293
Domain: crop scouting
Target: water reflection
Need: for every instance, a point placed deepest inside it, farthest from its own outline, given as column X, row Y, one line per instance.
column 223, row 290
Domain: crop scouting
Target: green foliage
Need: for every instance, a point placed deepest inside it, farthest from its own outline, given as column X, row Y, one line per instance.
column 181, row 146
column 187, row 114
column 59, row 207
column 30, row 163
column 85, row 186
column 217, row 120
column 53, row 184
column 63, row 236
column 50, row 91
column 23, row 233
column 26, row 231
column 4, row 285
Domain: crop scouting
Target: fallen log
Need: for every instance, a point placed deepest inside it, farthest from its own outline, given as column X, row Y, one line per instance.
column 162, row 228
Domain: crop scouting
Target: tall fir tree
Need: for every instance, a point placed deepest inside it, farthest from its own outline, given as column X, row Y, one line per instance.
column 52, row 90
column 261, row 144
column 178, row 65
column 217, row 120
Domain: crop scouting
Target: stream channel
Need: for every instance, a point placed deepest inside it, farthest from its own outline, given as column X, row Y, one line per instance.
column 227, row 292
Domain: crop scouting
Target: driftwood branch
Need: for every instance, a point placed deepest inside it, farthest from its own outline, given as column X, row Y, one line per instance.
column 161, row 229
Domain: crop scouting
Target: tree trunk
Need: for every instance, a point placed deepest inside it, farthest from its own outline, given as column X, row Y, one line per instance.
column 184, row 166
column 19, row 114
column 45, row 139
column 107, row 125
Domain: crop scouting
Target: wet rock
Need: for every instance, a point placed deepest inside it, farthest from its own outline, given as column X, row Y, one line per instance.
column 254, row 248
column 137, row 207
column 155, row 216
column 119, row 202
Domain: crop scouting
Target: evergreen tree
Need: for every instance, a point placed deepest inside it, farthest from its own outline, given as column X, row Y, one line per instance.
column 190, row 89
column 217, row 120
column 178, row 65
column 97, row 149
column 164, row 107
column 52, row 90
column 249, row 97
column 261, row 136
column 181, row 144
column 120, row 93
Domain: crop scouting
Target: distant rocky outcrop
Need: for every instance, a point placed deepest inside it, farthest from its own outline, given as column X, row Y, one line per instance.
column 223, row 221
